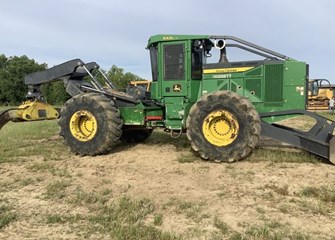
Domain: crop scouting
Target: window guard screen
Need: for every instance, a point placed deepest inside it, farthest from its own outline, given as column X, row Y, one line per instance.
column 174, row 62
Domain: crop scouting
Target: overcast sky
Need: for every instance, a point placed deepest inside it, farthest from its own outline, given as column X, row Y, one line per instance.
column 116, row 31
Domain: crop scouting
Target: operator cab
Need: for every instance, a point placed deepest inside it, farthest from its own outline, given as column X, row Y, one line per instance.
column 179, row 63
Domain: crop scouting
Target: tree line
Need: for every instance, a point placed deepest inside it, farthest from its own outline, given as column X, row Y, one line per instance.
column 13, row 90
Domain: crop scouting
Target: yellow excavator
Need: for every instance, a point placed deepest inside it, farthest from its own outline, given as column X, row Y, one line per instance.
column 320, row 92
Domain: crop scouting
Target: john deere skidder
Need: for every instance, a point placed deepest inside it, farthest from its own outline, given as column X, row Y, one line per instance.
column 223, row 106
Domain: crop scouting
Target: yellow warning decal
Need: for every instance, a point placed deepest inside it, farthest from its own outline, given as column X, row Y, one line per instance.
column 227, row 70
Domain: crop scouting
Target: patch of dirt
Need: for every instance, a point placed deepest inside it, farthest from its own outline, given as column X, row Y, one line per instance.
column 242, row 194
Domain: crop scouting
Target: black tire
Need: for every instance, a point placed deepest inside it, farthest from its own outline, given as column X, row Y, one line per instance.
column 90, row 124
column 220, row 111
column 135, row 135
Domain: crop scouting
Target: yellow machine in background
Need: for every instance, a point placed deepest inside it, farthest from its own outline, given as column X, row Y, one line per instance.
column 320, row 92
column 143, row 83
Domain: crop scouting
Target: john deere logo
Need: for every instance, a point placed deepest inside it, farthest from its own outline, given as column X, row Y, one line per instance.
column 177, row 88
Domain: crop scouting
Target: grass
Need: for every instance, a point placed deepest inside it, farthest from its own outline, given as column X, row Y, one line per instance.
column 282, row 156
column 271, row 231
column 281, row 190
column 316, row 200
column 187, row 158
column 62, row 219
column 315, row 207
column 122, row 219
column 6, row 217
column 21, row 140
column 191, row 210
column 222, row 226
column 6, row 213
column 49, row 167
column 158, row 219
column 82, row 198
column 326, row 114
column 56, row 189
column 323, row 193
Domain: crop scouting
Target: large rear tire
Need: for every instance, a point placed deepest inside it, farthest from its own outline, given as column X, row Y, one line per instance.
column 223, row 126
column 90, row 124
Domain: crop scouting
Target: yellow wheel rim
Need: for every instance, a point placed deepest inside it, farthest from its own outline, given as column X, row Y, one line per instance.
column 83, row 125
column 220, row 128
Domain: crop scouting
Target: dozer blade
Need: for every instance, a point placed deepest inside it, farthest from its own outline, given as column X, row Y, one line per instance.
column 5, row 117
column 332, row 150
column 319, row 140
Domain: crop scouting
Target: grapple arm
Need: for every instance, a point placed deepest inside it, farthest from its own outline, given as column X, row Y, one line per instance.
column 35, row 107
column 30, row 110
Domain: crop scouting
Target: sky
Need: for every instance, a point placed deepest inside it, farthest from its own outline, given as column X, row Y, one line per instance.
column 115, row 32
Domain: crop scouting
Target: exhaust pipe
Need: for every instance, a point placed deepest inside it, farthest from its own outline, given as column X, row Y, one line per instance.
column 221, row 45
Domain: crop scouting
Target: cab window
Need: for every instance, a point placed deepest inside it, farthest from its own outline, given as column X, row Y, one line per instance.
column 174, row 62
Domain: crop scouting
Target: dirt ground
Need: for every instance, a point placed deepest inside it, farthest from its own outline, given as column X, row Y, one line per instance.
column 246, row 196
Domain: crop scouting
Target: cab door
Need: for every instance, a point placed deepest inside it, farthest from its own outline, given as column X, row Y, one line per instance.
column 174, row 89
column 174, row 69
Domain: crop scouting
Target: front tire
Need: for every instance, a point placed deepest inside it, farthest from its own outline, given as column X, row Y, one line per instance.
column 90, row 124
column 223, row 126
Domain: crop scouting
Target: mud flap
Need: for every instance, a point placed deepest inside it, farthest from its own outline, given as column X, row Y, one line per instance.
column 332, row 150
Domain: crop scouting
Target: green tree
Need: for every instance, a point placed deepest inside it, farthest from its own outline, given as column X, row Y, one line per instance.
column 119, row 78
column 3, row 64
column 12, row 72
column 55, row 93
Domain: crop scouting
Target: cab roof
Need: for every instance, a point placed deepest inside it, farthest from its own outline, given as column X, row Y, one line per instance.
column 174, row 37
